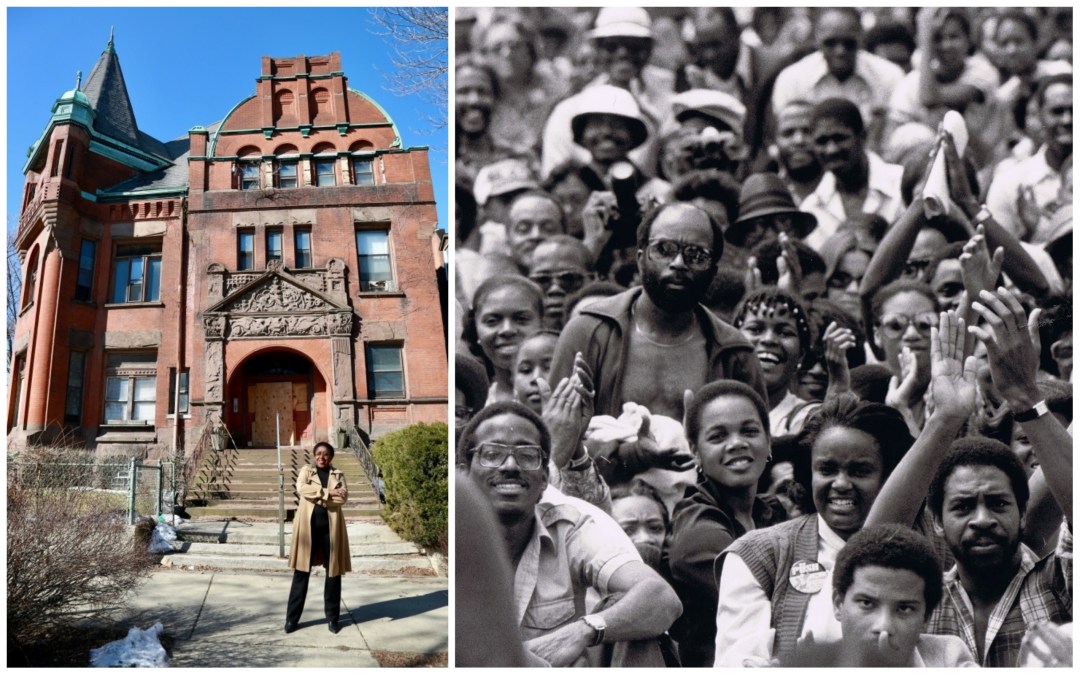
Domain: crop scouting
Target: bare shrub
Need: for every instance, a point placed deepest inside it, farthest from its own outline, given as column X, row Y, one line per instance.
column 71, row 555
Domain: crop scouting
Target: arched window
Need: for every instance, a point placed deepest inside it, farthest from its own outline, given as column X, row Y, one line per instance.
column 30, row 280
column 324, row 161
column 247, row 168
column 286, row 169
column 362, row 163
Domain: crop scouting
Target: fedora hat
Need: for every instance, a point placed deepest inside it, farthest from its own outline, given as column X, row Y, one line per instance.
column 605, row 99
column 631, row 22
column 764, row 194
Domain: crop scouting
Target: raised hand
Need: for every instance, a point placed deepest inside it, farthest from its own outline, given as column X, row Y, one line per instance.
column 837, row 341
column 901, row 394
column 952, row 376
column 753, row 275
column 1010, row 348
column 601, row 210
column 566, row 411
column 788, row 267
column 979, row 269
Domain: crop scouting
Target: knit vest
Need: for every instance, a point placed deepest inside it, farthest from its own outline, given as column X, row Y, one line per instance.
column 769, row 554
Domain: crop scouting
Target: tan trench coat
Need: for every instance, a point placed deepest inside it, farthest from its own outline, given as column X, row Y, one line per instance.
column 312, row 492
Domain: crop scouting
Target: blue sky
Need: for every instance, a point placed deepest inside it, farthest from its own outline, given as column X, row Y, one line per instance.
column 189, row 66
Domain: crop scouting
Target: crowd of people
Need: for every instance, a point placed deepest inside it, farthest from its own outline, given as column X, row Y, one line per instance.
column 765, row 336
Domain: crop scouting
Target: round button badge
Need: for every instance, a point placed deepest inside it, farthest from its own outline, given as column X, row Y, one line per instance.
column 808, row 576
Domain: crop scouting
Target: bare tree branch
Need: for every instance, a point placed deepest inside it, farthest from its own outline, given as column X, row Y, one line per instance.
column 418, row 37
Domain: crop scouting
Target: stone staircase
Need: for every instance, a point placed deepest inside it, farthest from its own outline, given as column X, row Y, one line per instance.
column 254, row 546
column 243, row 484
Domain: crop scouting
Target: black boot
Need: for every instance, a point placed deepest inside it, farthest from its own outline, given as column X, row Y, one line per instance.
column 332, row 601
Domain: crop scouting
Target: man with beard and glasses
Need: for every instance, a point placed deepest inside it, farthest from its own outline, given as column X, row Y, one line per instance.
column 856, row 180
column 648, row 345
column 559, row 546
column 1025, row 197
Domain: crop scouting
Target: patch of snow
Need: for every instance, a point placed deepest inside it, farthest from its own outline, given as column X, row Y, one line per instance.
column 140, row 649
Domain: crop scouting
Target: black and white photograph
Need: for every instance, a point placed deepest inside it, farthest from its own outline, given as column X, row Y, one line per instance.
column 762, row 325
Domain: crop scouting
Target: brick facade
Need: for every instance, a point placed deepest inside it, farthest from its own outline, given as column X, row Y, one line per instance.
column 182, row 273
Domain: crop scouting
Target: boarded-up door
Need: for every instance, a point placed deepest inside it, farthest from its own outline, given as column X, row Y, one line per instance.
column 269, row 400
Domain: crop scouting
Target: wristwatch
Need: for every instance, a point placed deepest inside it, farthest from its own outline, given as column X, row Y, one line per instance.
column 1033, row 413
column 597, row 623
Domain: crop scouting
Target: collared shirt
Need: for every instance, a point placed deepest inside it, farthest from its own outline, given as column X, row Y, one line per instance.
column 1033, row 185
column 869, row 87
column 575, row 546
column 1041, row 590
column 744, row 629
column 882, row 197
column 788, row 417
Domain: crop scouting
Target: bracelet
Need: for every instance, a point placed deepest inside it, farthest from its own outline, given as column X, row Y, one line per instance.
column 579, row 464
column 1032, row 413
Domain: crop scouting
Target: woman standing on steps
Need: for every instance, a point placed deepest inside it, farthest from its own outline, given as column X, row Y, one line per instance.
column 319, row 536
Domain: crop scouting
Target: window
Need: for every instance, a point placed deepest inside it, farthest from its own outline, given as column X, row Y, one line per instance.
column 273, row 245
column 245, row 250
column 76, row 374
column 302, row 240
column 373, row 250
column 183, row 391
column 138, row 273
column 384, row 373
column 249, row 175
column 85, row 283
column 363, row 173
column 287, row 174
column 30, row 286
column 324, row 173
column 130, row 388
column 16, row 401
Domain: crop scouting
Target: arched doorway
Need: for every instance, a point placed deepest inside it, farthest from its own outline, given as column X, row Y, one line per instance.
column 272, row 385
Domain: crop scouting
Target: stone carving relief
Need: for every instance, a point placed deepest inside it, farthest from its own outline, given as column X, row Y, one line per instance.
column 236, row 281
column 278, row 296
column 313, row 280
column 343, row 379
column 339, row 323
column 214, row 326
column 276, row 326
column 214, row 365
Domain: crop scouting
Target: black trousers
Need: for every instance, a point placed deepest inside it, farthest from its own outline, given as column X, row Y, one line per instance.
column 331, row 589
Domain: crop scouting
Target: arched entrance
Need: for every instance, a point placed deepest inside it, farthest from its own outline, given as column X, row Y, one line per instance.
column 272, row 385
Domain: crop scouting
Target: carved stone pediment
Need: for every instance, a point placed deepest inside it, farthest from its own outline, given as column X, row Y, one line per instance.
column 277, row 304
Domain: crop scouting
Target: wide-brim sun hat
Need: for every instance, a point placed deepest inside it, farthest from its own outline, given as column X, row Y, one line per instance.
column 631, row 22
column 764, row 194
column 605, row 99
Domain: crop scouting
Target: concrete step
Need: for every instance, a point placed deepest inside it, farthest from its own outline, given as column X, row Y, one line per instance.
column 245, row 491
column 370, row 531
column 269, row 512
column 356, row 550
column 410, row 565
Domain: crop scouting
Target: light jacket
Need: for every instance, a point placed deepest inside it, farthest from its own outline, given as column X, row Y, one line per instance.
column 311, row 492
column 602, row 334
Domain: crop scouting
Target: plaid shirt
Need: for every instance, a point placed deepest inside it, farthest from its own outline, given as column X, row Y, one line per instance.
column 1040, row 591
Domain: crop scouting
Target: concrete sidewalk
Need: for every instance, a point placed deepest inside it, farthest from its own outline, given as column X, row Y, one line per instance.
column 236, row 619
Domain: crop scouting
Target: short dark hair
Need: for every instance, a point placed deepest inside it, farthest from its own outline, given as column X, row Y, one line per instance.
column 881, row 422
column 1020, row 17
column 639, row 488
column 902, row 286
column 948, row 252
column 893, row 547
column 645, row 228
column 978, row 451
column 771, row 297
column 543, row 194
column 1045, row 83
column 568, row 241
column 323, row 444
column 714, row 390
column 465, row 444
column 711, row 184
column 887, row 33
column 476, row 62
column 843, row 111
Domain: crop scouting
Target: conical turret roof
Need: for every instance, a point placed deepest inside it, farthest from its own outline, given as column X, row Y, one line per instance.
column 108, row 95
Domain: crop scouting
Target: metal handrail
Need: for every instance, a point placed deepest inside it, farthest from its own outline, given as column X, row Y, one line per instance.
column 363, row 455
column 212, row 438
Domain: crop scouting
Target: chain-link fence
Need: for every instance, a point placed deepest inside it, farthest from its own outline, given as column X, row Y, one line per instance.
column 132, row 487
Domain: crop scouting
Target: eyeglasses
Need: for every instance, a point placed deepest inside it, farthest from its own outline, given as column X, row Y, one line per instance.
column 568, row 281
column 631, row 44
column 493, row 455
column 501, row 48
column 665, row 251
column 894, row 325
